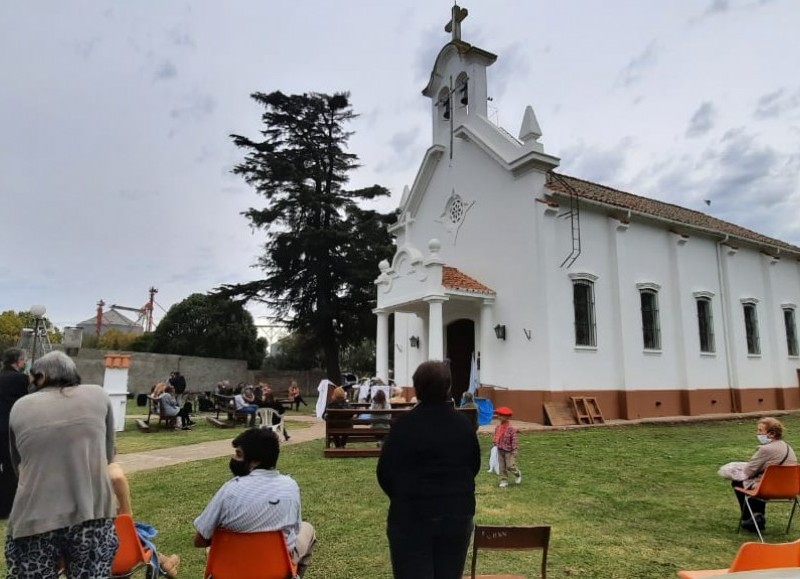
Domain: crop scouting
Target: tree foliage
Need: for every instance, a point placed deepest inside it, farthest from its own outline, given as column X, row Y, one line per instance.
column 208, row 326
column 115, row 339
column 320, row 258
column 12, row 323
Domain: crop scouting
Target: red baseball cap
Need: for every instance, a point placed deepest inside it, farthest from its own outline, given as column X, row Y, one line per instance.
column 503, row 411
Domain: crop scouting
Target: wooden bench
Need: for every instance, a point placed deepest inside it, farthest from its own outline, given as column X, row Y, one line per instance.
column 154, row 409
column 353, row 426
column 225, row 404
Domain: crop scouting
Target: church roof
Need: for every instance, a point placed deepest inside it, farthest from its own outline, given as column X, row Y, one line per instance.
column 661, row 210
column 453, row 278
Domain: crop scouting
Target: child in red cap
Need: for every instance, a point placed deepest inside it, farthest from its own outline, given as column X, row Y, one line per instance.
column 505, row 439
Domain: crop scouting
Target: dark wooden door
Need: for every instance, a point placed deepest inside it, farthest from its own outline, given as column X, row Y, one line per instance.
column 460, row 345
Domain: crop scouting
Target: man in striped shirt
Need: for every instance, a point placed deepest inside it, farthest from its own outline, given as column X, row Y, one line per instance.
column 258, row 498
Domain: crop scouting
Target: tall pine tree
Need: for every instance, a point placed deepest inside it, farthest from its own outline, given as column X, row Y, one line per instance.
column 322, row 248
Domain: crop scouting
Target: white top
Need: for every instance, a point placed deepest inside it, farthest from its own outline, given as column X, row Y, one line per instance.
column 322, row 401
column 264, row 500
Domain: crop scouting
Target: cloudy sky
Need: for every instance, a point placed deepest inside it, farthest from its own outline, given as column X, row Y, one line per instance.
column 114, row 119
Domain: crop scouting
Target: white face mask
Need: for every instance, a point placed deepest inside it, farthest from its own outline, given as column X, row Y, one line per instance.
column 762, row 438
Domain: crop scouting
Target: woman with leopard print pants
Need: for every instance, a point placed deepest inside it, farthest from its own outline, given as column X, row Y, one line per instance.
column 62, row 439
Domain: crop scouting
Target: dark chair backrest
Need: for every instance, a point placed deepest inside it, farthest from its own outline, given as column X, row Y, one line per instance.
column 511, row 538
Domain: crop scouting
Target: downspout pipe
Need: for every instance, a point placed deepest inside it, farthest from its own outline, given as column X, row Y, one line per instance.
column 723, row 292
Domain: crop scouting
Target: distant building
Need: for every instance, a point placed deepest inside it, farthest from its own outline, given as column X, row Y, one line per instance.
column 112, row 320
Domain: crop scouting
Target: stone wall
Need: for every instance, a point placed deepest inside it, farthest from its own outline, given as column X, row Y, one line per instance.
column 201, row 373
column 147, row 369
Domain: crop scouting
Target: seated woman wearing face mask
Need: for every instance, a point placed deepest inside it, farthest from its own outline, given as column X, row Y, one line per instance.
column 772, row 450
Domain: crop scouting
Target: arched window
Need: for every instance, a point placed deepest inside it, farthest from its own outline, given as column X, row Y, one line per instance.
column 705, row 321
column 751, row 326
column 790, row 324
column 651, row 323
column 443, row 102
column 583, row 307
column 462, row 90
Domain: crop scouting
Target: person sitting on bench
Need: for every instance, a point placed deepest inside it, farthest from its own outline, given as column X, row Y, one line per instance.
column 245, row 402
column 170, row 407
column 338, row 400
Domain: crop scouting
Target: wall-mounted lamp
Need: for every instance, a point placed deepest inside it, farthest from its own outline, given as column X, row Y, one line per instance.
column 500, row 331
column 414, row 341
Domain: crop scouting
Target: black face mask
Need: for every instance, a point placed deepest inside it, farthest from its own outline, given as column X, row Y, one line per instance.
column 239, row 467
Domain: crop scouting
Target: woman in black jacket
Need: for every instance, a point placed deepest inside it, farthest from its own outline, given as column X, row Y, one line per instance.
column 427, row 468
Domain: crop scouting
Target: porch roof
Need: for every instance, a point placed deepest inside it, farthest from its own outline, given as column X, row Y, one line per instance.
column 455, row 279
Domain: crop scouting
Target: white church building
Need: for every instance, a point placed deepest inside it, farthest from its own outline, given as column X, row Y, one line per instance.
column 561, row 287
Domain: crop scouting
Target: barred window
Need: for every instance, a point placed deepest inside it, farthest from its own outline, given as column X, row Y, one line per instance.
column 583, row 302
column 705, row 324
column 751, row 328
column 651, row 328
column 791, row 331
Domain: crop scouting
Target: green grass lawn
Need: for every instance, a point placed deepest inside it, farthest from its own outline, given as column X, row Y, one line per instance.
column 639, row 501
column 132, row 440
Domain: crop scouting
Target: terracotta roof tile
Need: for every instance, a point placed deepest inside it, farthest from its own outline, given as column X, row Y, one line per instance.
column 453, row 278
column 661, row 210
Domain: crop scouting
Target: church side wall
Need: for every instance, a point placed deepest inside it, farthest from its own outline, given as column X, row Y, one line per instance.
column 632, row 382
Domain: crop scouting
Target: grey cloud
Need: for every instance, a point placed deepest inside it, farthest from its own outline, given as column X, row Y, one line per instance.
column 776, row 103
column 638, row 65
column 596, row 164
column 405, row 151
column 86, row 47
column 749, row 183
column 509, row 68
column 429, row 46
column 180, row 38
column 702, row 120
column 717, row 7
column 198, row 107
column 166, row 71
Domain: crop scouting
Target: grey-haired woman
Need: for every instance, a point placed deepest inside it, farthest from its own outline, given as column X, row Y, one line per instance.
column 62, row 439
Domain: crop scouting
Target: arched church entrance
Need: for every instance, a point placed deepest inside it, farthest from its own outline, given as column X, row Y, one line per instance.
column 460, row 345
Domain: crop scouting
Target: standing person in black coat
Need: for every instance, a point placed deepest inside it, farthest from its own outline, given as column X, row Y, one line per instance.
column 13, row 386
column 427, row 469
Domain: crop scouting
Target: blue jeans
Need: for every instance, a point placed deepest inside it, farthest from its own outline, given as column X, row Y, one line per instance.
column 429, row 548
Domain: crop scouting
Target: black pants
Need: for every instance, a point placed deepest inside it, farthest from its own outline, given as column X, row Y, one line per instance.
column 8, row 487
column 297, row 400
column 433, row 548
column 758, row 506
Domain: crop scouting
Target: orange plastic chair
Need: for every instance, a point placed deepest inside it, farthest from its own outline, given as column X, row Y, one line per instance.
column 131, row 556
column 502, row 538
column 779, row 483
column 262, row 555
column 754, row 557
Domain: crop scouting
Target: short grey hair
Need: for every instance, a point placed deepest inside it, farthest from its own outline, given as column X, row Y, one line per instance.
column 12, row 356
column 58, row 369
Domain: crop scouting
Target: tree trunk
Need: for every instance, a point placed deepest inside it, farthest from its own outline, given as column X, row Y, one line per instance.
column 331, row 350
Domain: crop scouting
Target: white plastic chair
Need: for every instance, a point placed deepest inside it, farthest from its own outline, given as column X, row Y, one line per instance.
column 267, row 416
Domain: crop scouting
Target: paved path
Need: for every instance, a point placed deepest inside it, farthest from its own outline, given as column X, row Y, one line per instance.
column 151, row 459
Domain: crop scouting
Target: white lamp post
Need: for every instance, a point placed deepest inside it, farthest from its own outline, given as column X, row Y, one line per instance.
column 37, row 311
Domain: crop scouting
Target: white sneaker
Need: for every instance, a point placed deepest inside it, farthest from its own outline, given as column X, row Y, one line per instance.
column 503, row 484
column 519, row 478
